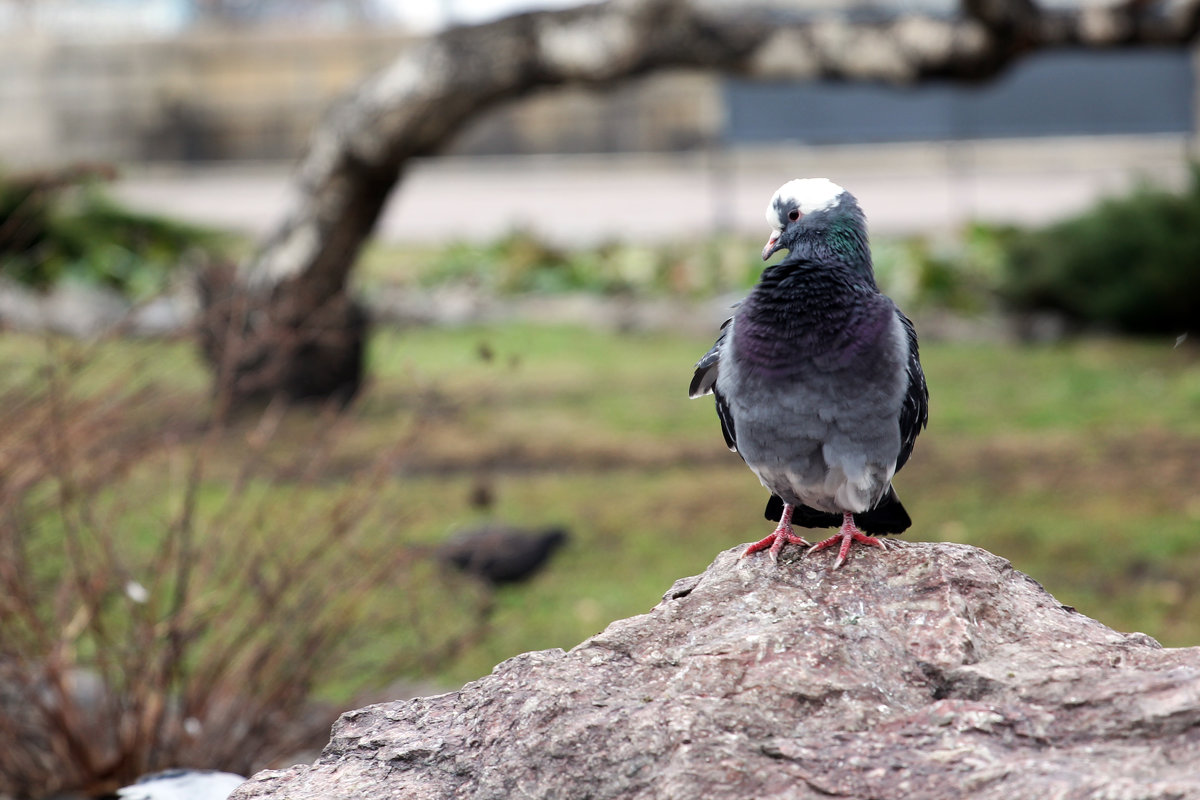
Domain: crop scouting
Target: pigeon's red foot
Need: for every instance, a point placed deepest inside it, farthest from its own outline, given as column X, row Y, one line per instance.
column 778, row 538
column 848, row 534
column 781, row 536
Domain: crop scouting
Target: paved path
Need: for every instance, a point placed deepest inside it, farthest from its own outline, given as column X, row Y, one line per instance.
column 587, row 199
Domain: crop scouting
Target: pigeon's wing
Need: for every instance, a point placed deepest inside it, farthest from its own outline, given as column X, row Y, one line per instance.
column 914, row 414
column 723, row 414
column 704, row 381
column 706, row 367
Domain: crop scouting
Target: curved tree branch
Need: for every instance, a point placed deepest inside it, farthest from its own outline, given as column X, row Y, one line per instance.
column 419, row 103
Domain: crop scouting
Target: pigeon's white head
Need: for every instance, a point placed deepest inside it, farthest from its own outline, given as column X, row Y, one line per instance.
column 794, row 201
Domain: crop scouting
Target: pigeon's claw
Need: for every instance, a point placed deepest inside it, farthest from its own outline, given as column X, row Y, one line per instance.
column 777, row 538
column 848, row 534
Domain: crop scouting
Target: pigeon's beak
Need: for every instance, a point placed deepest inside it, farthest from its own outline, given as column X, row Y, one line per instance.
column 772, row 245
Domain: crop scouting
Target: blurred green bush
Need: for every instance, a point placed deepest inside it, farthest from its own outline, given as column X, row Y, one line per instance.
column 960, row 274
column 1131, row 263
column 60, row 225
column 522, row 262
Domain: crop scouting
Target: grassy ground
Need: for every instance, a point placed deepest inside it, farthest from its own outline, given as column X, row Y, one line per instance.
column 1077, row 461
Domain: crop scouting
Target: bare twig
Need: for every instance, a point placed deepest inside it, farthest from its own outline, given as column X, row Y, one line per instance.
column 202, row 636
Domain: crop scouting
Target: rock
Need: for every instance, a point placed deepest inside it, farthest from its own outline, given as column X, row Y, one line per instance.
column 929, row 671
column 164, row 315
column 182, row 784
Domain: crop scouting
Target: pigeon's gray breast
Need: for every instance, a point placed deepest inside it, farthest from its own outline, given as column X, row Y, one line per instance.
column 816, row 415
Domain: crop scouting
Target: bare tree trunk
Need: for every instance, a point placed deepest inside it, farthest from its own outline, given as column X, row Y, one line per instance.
column 284, row 323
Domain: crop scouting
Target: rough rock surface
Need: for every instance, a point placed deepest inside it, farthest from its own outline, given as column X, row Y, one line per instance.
column 929, row 671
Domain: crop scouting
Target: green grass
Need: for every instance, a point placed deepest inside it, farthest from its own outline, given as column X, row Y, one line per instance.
column 1096, row 384
column 1077, row 461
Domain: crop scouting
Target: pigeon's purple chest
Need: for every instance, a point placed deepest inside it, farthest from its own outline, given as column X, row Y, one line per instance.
column 858, row 340
column 760, row 348
column 783, row 346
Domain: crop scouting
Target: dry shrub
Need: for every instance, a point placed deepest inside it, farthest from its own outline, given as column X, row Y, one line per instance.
column 164, row 605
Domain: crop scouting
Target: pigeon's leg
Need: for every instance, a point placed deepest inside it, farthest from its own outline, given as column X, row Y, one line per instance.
column 779, row 537
column 848, row 534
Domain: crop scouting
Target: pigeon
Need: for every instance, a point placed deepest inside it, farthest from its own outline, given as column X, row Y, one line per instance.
column 499, row 553
column 182, row 784
column 817, row 377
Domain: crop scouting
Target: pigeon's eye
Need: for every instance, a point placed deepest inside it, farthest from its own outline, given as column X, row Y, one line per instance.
column 794, row 214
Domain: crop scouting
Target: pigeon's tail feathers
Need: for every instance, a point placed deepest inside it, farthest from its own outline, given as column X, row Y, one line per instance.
column 802, row 515
column 774, row 510
column 888, row 517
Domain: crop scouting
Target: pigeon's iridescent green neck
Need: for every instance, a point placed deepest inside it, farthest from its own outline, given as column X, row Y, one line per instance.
column 838, row 235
